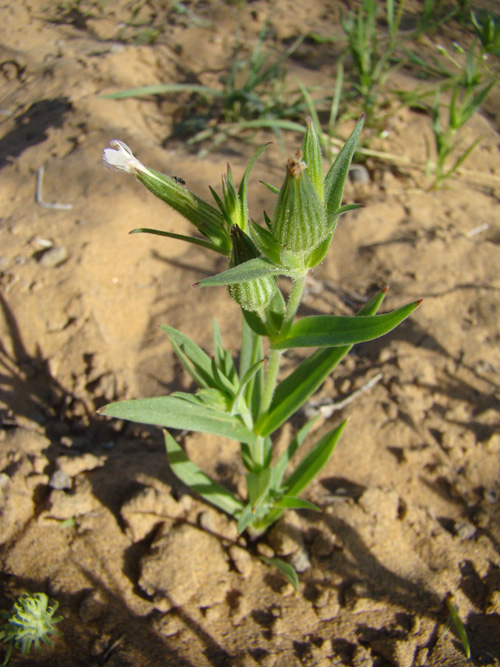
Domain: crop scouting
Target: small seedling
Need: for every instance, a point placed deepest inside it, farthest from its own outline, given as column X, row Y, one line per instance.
column 30, row 621
column 245, row 398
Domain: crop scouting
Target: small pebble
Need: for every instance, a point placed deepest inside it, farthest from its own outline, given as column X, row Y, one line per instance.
column 490, row 495
column 300, row 561
column 464, row 530
column 53, row 257
column 60, row 480
column 359, row 174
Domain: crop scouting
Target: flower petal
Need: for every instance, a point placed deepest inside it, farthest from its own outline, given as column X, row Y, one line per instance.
column 120, row 158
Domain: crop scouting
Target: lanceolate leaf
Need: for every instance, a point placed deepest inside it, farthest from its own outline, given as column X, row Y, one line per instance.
column 180, row 237
column 289, row 503
column 243, row 189
column 296, row 388
column 246, row 517
column 198, row 481
column 279, row 469
column 163, row 89
column 287, row 570
column 336, row 177
column 258, row 486
column 334, row 330
column 254, row 268
column 313, row 462
column 196, row 362
column 173, row 412
column 249, row 375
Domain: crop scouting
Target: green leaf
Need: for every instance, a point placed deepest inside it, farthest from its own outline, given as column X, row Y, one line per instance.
column 174, row 412
column 290, row 503
column 198, row 481
column 243, row 189
column 189, row 239
column 163, row 89
column 278, row 471
column 318, row 254
column 335, row 330
column 296, row 388
column 249, row 375
column 270, row 187
column 254, row 268
column 313, row 462
column 246, row 517
column 336, row 176
column 196, row 362
column 258, row 485
column 287, row 570
column 223, row 358
column 457, row 622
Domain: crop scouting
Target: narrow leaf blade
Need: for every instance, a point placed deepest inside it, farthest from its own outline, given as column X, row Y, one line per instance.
column 287, row 570
column 197, row 480
column 313, row 462
column 336, row 330
column 173, row 412
column 296, row 388
column 254, row 268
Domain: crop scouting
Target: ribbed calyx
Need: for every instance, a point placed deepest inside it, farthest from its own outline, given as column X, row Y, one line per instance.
column 299, row 223
column 252, row 295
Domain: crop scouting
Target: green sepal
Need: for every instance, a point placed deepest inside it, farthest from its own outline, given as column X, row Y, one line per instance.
column 265, row 242
column 311, row 150
column 336, row 330
column 181, row 414
column 198, row 481
column 336, row 176
column 270, row 187
column 318, row 254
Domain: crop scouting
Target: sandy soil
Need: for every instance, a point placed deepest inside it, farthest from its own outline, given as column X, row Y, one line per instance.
column 146, row 574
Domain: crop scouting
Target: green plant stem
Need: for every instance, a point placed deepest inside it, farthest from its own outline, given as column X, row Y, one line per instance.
column 294, row 301
column 273, row 364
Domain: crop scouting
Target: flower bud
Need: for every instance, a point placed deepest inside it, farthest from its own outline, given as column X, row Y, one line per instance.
column 300, row 218
column 251, row 295
column 205, row 217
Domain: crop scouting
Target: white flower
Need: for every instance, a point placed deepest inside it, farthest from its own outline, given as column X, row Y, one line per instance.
column 121, row 158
